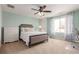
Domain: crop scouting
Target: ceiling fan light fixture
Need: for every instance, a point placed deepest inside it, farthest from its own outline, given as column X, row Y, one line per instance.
column 41, row 13
column 41, row 10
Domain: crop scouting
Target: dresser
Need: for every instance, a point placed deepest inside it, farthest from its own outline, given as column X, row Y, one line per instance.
column 11, row 34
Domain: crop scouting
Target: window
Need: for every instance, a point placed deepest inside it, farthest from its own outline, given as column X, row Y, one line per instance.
column 59, row 24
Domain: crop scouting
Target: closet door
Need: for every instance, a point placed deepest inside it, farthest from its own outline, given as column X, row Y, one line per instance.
column 11, row 34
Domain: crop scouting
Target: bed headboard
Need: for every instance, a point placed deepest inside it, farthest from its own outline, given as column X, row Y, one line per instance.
column 24, row 26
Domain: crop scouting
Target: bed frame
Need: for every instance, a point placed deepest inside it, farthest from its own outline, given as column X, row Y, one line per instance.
column 34, row 39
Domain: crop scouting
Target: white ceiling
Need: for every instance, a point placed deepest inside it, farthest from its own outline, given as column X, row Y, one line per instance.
column 25, row 9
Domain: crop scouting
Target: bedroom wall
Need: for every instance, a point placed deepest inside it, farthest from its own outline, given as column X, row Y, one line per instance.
column 49, row 26
column 43, row 23
column 0, row 24
column 76, row 19
column 10, row 19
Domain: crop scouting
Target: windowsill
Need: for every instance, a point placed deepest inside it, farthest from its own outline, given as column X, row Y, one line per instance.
column 60, row 32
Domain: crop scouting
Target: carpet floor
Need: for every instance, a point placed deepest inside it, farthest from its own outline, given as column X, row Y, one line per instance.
column 53, row 46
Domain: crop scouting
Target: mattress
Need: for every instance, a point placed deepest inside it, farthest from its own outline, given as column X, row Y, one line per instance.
column 25, row 35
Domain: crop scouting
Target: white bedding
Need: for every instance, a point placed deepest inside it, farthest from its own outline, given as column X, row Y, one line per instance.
column 25, row 36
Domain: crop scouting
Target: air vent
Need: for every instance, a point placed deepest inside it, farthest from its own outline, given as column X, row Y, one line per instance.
column 11, row 6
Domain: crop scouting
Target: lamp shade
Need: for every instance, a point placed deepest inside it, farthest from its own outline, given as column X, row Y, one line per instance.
column 40, row 26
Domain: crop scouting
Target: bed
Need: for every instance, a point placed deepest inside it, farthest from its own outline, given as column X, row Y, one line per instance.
column 29, row 36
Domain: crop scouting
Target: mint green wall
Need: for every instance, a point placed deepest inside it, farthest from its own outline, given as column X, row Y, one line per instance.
column 10, row 19
column 45, row 24
column 76, row 19
column 49, row 26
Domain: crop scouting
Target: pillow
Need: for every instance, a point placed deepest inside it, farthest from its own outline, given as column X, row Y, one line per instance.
column 27, row 29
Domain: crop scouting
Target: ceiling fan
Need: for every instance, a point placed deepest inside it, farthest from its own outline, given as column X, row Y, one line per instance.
column 41, row 10
column 10, row 6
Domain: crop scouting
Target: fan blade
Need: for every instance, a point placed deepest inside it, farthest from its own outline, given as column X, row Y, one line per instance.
column 47, row 11
column 36, row 13
column 11, row 6
column 35, row 9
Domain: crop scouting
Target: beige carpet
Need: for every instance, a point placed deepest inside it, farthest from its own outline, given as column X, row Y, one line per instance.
column 53, row 46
